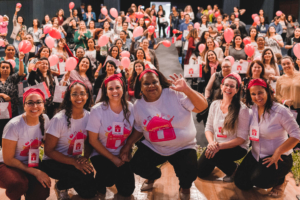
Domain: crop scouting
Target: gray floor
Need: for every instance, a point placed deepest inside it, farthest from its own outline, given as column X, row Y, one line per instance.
column 169, row 64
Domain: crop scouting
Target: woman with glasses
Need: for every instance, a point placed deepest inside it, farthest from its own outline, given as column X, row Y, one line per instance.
column 66, row 140
column 19, row 157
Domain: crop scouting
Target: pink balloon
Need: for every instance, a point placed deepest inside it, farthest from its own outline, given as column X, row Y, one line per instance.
column 296, row 50
column 228, row 35
column 104, row 11
column 53, row 60
column 1, row 18
column 12, row 62
column 139, row 15
column 201, row 47
column 217, row 44
column 103, row 40
column 19, row 5
column 1, row 42
column 127, row 19
column 247, row 40
column 151, row 29
column 278, row 13
column 219, row 27
column 25, row 46
column 55, row 33
column 230, row 58
column 49, row 42
column 197, row 25
column 71, row 64
column 47, row 29
column 125, row 54
column 210, row 11
column 71, row 5
column 113, row 12
column 125, row 62
column 217, row 14
column 138, row 31
column 256, row 19
column 166, row 43
column 254, row 15
column 249, row 50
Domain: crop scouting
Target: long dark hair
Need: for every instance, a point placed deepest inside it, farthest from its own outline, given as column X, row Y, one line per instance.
column 260, row 63
column 104, row 98
column 10, row 66
column 206, row 47
column 272, row 61
column 38, row 54
column 111, row 48
column 111, row 63
column 140, row 49
column 231, row 120
column 233, row 42
column 89, row 72
column 134, row 74
column 138, row 84
column 251, row 28
column 67, row 103
column 49, row 75
column 207, row 67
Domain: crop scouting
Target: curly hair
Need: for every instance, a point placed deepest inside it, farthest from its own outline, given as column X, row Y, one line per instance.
column 67, row 103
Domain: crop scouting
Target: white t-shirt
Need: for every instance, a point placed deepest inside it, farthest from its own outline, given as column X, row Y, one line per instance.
column 109, row 125
column 167, row 123
column 27, row 137
column 66, row 136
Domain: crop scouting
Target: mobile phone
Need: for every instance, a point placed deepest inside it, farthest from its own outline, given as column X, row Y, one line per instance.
column 142, row 7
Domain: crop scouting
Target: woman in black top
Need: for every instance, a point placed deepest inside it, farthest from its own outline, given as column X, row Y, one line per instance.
column 71, row 28
column 161, row 14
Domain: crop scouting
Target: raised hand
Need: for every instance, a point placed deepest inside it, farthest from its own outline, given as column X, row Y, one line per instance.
column 179, row 83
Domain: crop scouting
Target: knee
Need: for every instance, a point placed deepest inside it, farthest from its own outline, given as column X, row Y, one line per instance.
column 17, row 188
column 242, row 184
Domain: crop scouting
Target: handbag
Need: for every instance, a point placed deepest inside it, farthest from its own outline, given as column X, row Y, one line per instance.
column 59, row 92
column 193, row 70
column 5, row 110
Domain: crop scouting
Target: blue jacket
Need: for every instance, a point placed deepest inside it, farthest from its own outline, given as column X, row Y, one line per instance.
column 278, row 28
column 85, row 18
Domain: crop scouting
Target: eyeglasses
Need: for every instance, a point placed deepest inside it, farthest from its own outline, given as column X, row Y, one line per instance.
column 31, row 103
column 74, row 95
column 230, row 86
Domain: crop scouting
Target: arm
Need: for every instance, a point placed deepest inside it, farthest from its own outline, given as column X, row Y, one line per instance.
column 227, row 49
column 209, row 86
column 132, row 46
column 130, row 91
column 21, row 64
column 31, row 77
column 15, row 18
column 242, row 11
column 156, row 62
column 232, row 143
column 5, row 97
column 278, row 91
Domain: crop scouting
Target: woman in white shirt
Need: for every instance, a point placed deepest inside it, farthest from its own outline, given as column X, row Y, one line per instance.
column 188, row 9
column 274, row 132
column 19, row 157
column 91, row 52
column 66, row 140
column 108, row 32
column 274, row 40
column 163, row 115
column 226, row 131
column 271, row 67
column 110, row 123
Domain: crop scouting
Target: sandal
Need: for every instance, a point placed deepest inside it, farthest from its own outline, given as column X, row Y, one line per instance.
column 278, row 190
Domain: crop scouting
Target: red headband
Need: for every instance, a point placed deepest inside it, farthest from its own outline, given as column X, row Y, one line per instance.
column 112, row 78
column 147, row 71
column 235, row 76
column 258, row 82
column 76, row 81
column 33, row 91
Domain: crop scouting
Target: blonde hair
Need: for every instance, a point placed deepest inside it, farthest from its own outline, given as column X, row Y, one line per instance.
column 193, row 33
column 188, row 6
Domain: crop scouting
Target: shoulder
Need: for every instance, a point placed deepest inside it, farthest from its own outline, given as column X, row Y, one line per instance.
column 215, row 103
column 16, row 121
column 99, row 106
column 130, row 106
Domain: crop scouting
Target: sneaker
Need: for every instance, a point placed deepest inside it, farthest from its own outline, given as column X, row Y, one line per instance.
column 61, row 194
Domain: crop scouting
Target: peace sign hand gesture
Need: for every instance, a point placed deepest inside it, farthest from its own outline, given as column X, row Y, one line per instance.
column 179, row 83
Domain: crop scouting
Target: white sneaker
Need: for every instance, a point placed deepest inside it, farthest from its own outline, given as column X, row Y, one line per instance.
column 61, row 194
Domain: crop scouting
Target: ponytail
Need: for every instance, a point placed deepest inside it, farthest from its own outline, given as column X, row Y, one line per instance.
column 42, row 124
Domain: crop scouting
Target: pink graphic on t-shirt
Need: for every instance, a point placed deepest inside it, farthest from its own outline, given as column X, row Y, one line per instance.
column 160, row 130
column 33, row 145
column 115, row 141
column 78, row 136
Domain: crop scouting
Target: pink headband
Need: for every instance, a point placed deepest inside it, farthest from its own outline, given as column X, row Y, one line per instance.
column 235, row 76
column 258, row 82
column 112, row 78
column 147, row 71
column 33, row 91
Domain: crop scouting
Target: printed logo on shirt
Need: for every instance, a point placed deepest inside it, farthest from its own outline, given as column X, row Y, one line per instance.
column 33, row 144
column 114, row 141
column 73, row 137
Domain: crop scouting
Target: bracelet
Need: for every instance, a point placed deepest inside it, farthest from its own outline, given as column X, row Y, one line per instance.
column 34, row 69
column 97, row 71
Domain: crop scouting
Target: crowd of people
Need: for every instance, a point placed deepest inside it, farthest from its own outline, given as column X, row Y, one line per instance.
column 106, row 107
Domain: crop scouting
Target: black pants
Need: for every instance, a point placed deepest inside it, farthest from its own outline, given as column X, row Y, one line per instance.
column 108, row 174
column 145, row 160
column 251, row 173
column 224, row 160
column 161, row 26
column 70, row 177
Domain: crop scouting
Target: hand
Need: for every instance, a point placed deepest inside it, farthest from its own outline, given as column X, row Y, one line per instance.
column 272, row 160
column 97, row 48
column 43, row 178
column 289, row 102
column 82, row 160
column 198, row 8
column 127, row 71
column 125, row 153
column 210, row 154
column 67, row 76
column 213, row 146
column 117, row 161
column 18, row 9
column 180, row 83
column 21, row 55
column 37, row 65
column 194, row 58
column 227, row 45
column 271, row 77
column 132, row 39
column 43, row 35
column 241, row 61
column 84, row 167
column 121, row 67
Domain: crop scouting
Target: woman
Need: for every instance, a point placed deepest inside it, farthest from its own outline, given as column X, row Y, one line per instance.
column 141, row 23
column 210, row 45
column 260, row 41
column 44, row 51
column 19, row 29
column 238, row 12
column 46, row 21
column 9, row 89
column 66, row 130
column 273, row 40
column 181, row 19
column 61, row 30
column 226, row 131
column 70, row 30
column 261, row 13
column 270, row 159
column 232, row 18
column 19, row 156
column 91, row 52
column 108, row 32
column 81, row 36
column 118, row 26
column 170, row 107
column 188, row 10
column 121, row 44
column 34, row 49
column 62, row 55
column 291, row 26
column 213, row 32
column 61, row 17
column 204, row 25
column 255, row 70
column 41, row 73
column 271, row 67
column 82, row 72
column 192, row 39
column 36, row 32
column 263, row 27
column 287, row 86
column 237, row 49
column 74, row 15
column 161, row 26
column 10, row 53
column 110, row 123
column 174, row 17
column 283, row 23
column 89, row 15
column 152, row 41
column 92, row 27
column 253, row 36
column 138, row 68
